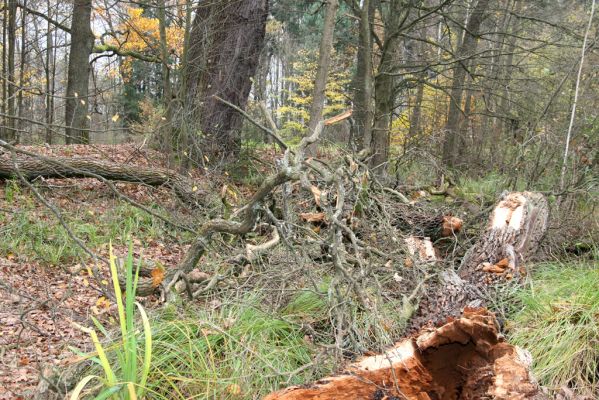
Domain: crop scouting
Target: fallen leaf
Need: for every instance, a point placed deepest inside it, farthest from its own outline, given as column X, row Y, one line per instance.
column 234, row 389
column 103, row 302
column 157, row 275
column 316, row 192
column 312, row 217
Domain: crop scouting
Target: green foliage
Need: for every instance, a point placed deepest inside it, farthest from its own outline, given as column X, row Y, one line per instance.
column 11, row 191
column 483, row 190
column 559, row 324
column 231, row 351
column 39, row 236
column 126, row 376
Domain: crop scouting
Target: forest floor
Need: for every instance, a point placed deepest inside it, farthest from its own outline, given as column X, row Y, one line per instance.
column 47, row 283
column 44, row 286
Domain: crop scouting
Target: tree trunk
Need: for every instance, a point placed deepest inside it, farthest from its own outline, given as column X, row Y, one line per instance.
column 77, row 99
column 9, row 133
column 225, row 43
column 464, row 53
column 513, row 234
column 362, row 92
column 465, row 357
column 384, row 90
column 50, row 77
column 61, row 167
column 4, row 71
column 22, row 62
column 416, row 112
column 324, row 63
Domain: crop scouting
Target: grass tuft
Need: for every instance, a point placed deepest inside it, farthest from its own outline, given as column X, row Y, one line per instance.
column 559, row 324
column 235, row 351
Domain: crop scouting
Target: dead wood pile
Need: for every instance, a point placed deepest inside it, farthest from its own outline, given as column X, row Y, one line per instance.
column 465, row 358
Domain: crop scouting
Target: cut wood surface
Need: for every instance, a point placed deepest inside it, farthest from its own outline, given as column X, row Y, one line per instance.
column 513, row 233
column 466, row 358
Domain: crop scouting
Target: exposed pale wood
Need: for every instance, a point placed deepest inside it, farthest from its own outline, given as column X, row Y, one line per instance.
column 464, row 359
column 338, row 118
column 515, row 229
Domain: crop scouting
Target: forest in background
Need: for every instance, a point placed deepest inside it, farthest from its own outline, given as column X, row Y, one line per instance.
column 436, row 87
column 272, row 163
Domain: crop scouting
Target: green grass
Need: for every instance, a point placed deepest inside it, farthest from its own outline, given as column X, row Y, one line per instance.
column 483, row 190
column 34, row 233
column 559, row 324
column 241, row 349
column 236, row 351
column 125, row 376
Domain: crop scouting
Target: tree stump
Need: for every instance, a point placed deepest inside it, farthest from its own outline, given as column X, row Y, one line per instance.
column 515, row 229
column 464, row 359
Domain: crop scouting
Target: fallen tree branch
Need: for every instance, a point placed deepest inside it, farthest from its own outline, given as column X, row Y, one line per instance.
column 34, row 166
column 248, row 215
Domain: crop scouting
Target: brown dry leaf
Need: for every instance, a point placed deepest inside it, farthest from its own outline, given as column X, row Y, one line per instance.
column 157, row 275
column 316, row 192
column 103, row 302
column 503, row 263
column 494, row 269
column 234, row 389
column 313, row 217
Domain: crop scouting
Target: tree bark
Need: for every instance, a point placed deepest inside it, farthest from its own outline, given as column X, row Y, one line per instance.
column 8, row 131
column 465, row 52
column 61, row 167
column 414, row 130
column 50, row 77
column 22, row 62
column 324, row 63
column 384, row 90
column 362, row 90
column 515, row 229
column 82, row 42
column 225, row 44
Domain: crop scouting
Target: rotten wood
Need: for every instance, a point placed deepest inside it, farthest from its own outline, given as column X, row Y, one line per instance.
column 466, row 358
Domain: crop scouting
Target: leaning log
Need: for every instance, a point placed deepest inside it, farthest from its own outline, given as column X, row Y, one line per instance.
column 510, row 240
column 464, row 359
column 32, row 166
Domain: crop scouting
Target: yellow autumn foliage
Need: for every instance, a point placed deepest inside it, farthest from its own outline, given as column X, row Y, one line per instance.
column 299, row 100
column 142, row 34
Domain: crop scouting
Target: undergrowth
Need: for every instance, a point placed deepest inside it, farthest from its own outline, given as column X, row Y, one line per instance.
column 558, row 322
column 36, row 235
column 228, row 351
